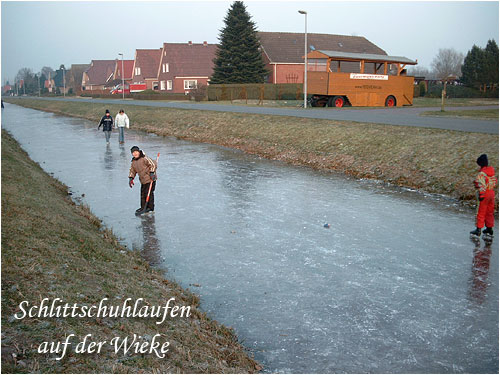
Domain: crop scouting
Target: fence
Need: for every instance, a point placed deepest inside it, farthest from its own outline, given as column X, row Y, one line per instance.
column 260, row 91
column 146, row 95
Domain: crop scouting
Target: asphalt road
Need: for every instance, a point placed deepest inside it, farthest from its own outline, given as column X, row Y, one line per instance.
column 405, row 116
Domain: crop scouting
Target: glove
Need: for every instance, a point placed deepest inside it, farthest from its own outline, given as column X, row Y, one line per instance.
column 130, row 182
column 153, row 176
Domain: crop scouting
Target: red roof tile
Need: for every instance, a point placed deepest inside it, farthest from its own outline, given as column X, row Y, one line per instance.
column 100, row 71
column 189, row 59
column 289, row 47
column 149, row 62
column 128, row 66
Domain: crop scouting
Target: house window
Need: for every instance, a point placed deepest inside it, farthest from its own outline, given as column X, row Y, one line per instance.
column 169, row 85
column 162, row 85
column 155, row 85
column 137, row 71
column 165, row 68
column 190, row 84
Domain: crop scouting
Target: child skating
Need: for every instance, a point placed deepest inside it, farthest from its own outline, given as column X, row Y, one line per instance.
column 145, row 167
column 485, row 183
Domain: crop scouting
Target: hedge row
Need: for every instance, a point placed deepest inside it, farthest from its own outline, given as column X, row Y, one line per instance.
column 264, row 91
column 458, row 91
column 144, row 95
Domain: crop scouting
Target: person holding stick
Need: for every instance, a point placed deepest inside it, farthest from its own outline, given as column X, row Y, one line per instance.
column 145, row 167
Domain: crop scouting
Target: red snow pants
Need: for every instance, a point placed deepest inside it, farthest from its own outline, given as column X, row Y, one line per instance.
column 485, row 211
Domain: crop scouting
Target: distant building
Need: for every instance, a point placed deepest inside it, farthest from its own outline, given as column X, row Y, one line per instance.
column 74, row 77
column 185, row 66
column 284, row 52
column 146, row 68
column 128, row 66
column 7, row 89
column 99, row 75
column 61, row 80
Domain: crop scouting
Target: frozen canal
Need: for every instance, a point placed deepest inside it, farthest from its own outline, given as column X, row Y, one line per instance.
column 394, row 285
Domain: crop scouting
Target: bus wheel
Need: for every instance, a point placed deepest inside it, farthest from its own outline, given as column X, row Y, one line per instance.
column 390, row 101
column 336, row 101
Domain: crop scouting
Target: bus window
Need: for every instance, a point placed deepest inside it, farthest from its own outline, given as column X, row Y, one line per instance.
column 316, row 65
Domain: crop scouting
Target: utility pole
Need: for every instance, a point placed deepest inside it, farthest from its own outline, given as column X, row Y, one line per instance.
column 305, row 57
column 123, row 78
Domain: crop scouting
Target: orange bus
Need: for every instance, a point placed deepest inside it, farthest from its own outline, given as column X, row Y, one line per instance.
column 338, row 79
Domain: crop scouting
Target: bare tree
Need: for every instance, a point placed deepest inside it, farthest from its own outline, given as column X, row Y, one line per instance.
column 48, row 72
column 419, row 72
column 26, row 76
column 447, row 65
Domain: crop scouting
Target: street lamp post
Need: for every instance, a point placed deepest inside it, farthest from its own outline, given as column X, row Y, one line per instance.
column 123, row 78
column 305, row 57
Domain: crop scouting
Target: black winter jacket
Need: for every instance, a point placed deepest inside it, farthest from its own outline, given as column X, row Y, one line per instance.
column 107, row 123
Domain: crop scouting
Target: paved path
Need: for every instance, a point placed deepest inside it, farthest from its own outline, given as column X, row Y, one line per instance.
column 406, row 116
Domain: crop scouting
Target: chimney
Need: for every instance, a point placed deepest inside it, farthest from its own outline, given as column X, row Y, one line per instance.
column 190, row 43
column 205, row 43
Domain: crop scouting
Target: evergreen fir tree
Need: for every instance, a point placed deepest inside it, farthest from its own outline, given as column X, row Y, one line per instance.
column 471, row 69
column 480, row 67
column 491, row 62
column 238, row 58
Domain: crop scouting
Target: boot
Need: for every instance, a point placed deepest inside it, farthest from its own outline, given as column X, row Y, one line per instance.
column 488, row 232
column 476, row 232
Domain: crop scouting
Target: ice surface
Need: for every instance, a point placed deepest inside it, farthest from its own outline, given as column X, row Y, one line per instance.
column 394, row 285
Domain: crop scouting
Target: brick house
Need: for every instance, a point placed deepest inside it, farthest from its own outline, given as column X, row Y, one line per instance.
column 74, row 77
column 146, row 67
column 185, row 66
column 99, row 75
column 284, row 52
column 128, row 67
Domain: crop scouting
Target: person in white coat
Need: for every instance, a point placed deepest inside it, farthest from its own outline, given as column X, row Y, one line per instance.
column 121, row 122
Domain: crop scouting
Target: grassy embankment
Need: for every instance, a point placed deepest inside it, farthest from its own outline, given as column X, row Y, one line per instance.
column 417, row 102
column 54, row 248
column 433, row 160
column 477, row 114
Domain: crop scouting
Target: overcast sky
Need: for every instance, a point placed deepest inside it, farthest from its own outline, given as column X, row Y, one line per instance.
column 37, row 34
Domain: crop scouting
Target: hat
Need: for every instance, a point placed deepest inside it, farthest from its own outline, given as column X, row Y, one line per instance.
column 135, row 148
column 107, row 110
column 482, row 160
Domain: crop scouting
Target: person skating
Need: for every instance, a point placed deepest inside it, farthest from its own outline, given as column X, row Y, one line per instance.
column 145, row 167
column 485, row 183
column 107, row 125
column 121, row 122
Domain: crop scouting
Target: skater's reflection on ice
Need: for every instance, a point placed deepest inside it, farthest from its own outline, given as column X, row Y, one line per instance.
column 108, row 159
column 151, row 245
column 480, row 269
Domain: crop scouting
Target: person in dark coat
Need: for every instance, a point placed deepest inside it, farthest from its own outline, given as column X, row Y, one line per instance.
column 107, row 125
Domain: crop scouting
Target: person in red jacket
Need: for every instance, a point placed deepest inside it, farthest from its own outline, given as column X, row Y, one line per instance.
column 485, row 183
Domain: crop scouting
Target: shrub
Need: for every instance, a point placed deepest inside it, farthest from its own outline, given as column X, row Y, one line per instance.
column 199, row 93
column 422, row 87
column 459, row 91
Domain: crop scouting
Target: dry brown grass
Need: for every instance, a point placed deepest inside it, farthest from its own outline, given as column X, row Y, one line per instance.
column 432, row 160
column 54, row 248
